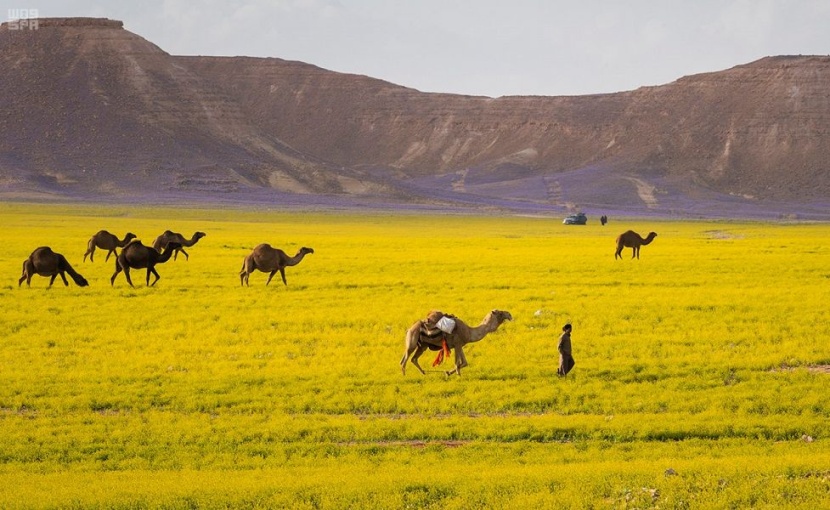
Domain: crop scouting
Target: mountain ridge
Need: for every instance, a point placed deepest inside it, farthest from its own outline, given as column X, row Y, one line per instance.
column 97, row 111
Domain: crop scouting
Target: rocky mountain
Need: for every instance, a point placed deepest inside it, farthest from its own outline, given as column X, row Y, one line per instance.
column 94, row 111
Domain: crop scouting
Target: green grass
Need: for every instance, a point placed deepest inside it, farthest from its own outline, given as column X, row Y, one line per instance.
column 199, row 393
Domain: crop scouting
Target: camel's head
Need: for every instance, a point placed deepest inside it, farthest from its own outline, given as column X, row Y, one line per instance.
column 306, row 251
column 198, row 235
column 501, row 315
column 130, row 236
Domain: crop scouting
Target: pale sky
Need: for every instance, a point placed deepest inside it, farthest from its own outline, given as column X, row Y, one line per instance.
column 479, row 47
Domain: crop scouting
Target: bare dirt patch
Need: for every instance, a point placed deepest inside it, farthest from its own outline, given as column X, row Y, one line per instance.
column 815, row 369
column 722, row 234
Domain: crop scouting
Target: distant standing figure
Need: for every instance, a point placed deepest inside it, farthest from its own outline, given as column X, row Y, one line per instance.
column 603, row 219
column 566, row 359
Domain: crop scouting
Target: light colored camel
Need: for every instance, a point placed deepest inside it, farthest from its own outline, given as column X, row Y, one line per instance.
column 421, row 336
column 137, row 256
column 106, row 241
column 168, row 237
column 633, row 240
column 45, row 262
column 267, row 259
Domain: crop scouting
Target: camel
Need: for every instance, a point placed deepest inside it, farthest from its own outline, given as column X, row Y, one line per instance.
column 265, row 258
column 633, row 240
column 136, row 256
column 106, row 241
column 422, row 336
column 168, row 237
column 45, row 262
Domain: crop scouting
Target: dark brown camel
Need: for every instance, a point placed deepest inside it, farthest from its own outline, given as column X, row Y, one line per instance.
column 137, row 256
column 168, row 237
column 633, row 240
column 268, row 259
column 106, row 241
column 422, row 336
column 45, row 262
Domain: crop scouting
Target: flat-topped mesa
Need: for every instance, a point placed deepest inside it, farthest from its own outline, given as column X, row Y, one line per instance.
column 73, row 22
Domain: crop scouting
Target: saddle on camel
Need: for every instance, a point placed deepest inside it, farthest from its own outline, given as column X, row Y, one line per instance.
column 436, row 327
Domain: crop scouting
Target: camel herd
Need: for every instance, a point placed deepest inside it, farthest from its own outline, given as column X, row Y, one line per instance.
column 423, row 335
column 135, row 255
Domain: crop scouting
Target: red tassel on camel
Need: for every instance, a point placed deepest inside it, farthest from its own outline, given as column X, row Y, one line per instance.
column 442, row 354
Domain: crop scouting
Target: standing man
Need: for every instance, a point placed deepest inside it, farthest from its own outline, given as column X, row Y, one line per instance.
column 566, row 360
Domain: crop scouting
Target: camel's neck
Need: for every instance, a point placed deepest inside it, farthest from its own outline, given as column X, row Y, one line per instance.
column 63, row 262
column 648, row 239
column 190, row 242
column 487, row 326
column 293, row 261
column 165, row 255
column 124, row 242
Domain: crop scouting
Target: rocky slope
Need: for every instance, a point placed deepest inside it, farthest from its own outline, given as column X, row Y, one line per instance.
column 95, row 110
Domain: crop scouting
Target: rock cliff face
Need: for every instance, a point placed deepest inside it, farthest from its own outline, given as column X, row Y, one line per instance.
column 93, row 109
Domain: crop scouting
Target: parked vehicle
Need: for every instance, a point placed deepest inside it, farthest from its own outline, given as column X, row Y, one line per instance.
column 575, row 219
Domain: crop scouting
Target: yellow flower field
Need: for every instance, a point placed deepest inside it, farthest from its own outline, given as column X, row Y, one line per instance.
column 699, row 382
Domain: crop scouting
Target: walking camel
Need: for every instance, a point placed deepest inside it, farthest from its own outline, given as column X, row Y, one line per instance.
column 267, row 259
column 137, row 256
column 106, row 241
column 633, row 240
column 421, row 336
column 45, row 262
column 168, row 237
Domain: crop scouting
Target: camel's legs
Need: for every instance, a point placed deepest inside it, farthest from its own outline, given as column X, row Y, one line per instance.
column 176, row 254
column 460, row 362
column 420, row 350
column 90, row 252
column 126, row 270
column 111, row 252
column 282, row 273
column 25, row 275
column 63, row 277
column 403, row 362
column 52, row 279
column 271, row 276
column 117, row 270
column 155, row 273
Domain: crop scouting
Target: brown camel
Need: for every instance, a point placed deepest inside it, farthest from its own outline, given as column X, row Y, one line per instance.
column 45, row 262
column 422, row 336
column 106, row 241
column 137, row 256
column 633, row 240
column 265, row 258
column 168, row 237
